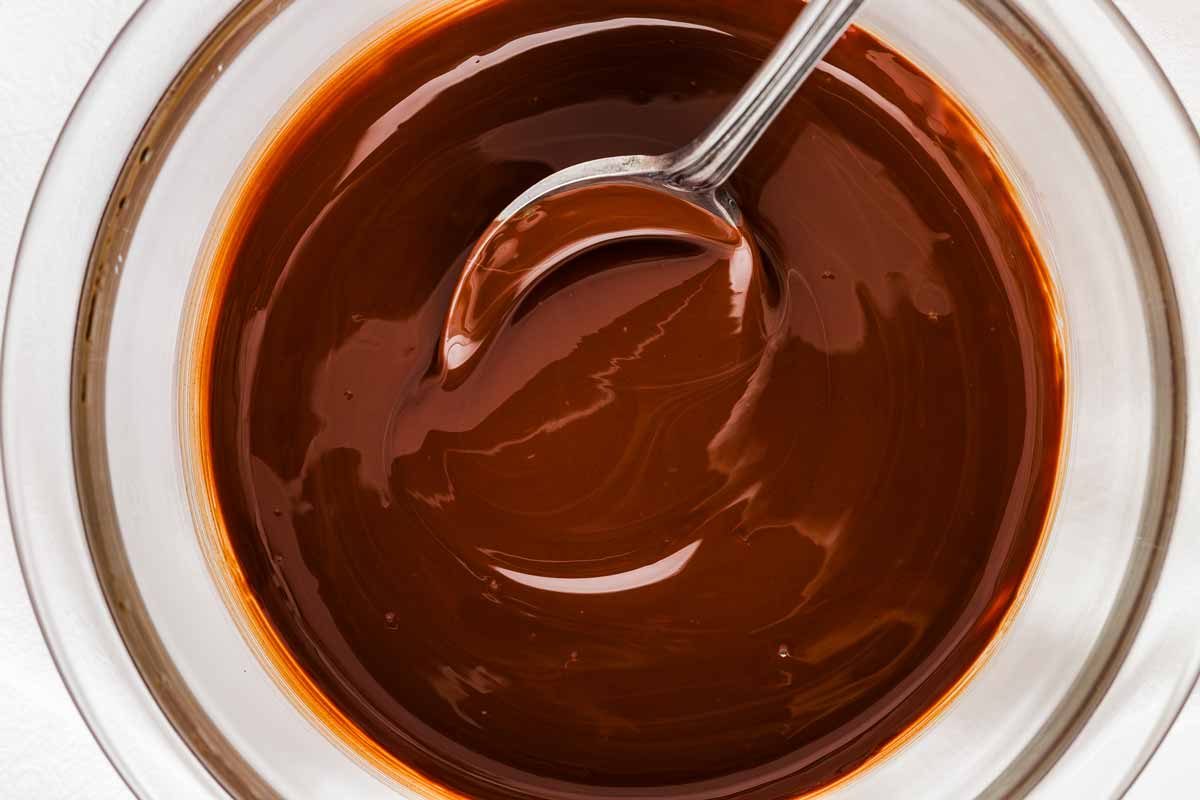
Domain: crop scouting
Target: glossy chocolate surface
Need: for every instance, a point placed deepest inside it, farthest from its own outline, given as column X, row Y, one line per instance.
column 686, row 529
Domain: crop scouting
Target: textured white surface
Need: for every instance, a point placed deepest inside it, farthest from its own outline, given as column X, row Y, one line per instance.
column 48, row 49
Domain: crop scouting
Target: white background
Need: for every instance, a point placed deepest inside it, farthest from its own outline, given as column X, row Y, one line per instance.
column 48, row 48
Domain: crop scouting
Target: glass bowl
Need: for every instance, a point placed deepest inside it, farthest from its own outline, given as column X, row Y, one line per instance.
column 114, row 528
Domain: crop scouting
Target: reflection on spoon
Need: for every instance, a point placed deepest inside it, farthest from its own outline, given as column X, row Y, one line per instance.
column 639, row 578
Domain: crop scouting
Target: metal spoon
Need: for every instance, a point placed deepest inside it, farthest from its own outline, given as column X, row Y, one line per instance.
column 695, row 172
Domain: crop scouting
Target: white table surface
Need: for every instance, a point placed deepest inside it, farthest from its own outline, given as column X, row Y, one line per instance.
column 48, row 48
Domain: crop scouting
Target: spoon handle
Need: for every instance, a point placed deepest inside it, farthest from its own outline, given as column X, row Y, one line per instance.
column 709, row 161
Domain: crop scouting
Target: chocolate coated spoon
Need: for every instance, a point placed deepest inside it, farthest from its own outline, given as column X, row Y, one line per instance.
column 494, row 278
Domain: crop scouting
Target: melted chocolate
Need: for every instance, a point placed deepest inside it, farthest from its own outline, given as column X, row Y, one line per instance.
column 685, row 529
